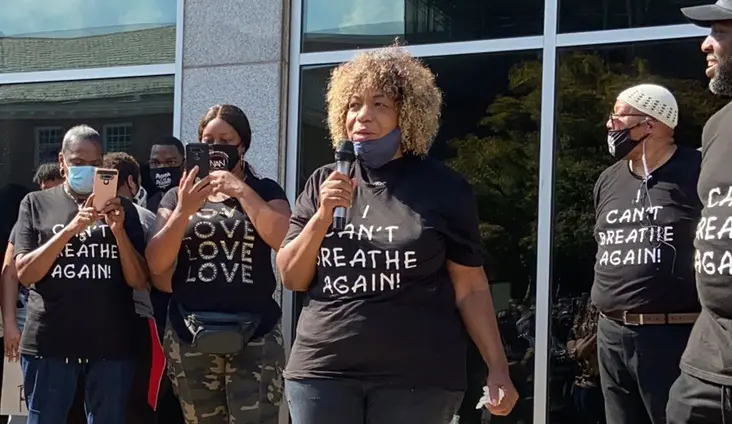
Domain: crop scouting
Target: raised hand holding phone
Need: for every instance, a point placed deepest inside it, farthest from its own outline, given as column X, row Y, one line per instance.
column 192, row 194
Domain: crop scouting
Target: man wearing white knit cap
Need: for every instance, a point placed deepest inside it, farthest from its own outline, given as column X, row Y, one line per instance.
column 703, row 391
column 646, row 212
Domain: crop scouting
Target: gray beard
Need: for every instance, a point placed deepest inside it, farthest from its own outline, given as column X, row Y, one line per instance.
column 721, row 83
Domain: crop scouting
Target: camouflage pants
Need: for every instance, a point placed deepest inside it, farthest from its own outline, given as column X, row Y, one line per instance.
column 228, row 389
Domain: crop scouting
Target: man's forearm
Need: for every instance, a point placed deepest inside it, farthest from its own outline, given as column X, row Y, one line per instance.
column 9, row 294
column 479, row 318
column 33, row 266
column 584, row 344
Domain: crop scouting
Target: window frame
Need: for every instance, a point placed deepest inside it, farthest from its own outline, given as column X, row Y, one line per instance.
column 105, row 136
column 37, row 140
column 549, row 42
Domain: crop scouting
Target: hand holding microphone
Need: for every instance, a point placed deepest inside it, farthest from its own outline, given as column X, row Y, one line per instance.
column 336, row 192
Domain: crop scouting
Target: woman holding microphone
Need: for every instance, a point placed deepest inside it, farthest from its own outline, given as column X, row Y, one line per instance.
column 380, row 339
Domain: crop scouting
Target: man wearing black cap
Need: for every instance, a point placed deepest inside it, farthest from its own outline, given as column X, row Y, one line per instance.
column 703, row 391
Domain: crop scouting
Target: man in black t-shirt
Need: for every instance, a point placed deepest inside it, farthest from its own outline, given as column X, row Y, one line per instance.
column 14, row 295
column 166, row 167
column 646, row 210
column 81, row 265
column 146, row 380
column 703, row 391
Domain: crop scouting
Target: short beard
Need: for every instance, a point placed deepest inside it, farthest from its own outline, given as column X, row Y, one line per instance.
column 721, row 82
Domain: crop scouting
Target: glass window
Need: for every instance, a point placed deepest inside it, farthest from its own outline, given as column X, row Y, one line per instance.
column 43, row 35
column 489, row 133
column 117, row 137
column 589, row 82
column 349, row 24
column 48, row 143
column 583, row 15
column 129, row 113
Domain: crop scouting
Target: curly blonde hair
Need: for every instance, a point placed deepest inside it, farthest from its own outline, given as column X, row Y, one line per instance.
column 401, row 77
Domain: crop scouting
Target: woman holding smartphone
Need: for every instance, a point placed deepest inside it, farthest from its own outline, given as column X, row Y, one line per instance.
column 213, row 252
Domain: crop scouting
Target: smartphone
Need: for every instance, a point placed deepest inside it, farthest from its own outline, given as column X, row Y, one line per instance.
column 105, row 187
column 198, row 154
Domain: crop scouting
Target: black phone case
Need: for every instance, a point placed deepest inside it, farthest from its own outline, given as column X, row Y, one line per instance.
column 198, row 154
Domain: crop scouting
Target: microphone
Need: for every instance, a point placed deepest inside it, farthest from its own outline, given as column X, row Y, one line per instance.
column 344, row 156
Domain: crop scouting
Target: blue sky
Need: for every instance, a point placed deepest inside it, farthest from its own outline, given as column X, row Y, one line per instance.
column 20, row 17
column 324, row 15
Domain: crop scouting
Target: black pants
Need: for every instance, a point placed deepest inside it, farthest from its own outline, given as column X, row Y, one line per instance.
column 169, row 411
column 589, row 405
column 139, row 410
column 638, row 365
column 694, row 401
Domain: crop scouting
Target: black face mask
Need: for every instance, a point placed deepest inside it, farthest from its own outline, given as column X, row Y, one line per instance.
column 224, row 157
column 165, row 178
column 620, row 143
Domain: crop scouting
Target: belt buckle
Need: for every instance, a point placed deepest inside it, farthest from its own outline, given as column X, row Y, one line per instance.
column 631, row 324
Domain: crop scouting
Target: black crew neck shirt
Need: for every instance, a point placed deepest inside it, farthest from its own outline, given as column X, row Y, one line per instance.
column 645, row 233
column 381, row 306
column 708, row 355
column 223, row 264
column 82, row 308
column 153, row 202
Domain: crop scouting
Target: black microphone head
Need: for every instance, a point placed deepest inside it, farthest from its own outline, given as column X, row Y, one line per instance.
column 344, row 151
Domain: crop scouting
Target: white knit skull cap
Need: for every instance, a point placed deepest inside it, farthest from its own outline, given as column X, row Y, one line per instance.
column 653, row 100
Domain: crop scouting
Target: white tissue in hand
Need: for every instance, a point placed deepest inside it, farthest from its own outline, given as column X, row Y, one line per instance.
column 486, row 400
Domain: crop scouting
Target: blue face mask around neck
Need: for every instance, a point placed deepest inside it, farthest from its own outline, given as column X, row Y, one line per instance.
column 376, row 153
column 80, row 178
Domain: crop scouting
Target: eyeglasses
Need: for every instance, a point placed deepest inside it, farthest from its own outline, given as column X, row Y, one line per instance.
column 613, row 115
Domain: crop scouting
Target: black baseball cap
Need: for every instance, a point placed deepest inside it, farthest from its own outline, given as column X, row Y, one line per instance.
column 707, row 14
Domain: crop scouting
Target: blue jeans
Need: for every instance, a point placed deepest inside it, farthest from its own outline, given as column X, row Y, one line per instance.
column 50, row 386
column 314, row 401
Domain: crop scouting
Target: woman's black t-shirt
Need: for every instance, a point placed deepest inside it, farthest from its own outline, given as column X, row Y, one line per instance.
column 223, row 264
column 382, row 306
column 82, row 308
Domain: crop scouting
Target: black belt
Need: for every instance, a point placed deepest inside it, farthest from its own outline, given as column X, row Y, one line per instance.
column 634, row 319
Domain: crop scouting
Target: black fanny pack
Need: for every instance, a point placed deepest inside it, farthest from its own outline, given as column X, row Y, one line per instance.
column 218, row 332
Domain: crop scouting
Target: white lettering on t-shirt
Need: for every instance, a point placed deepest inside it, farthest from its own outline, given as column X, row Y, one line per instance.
column 715, row 225
column 639, row 242
column 83, row 253
column 217, row 251
column 370, row 269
